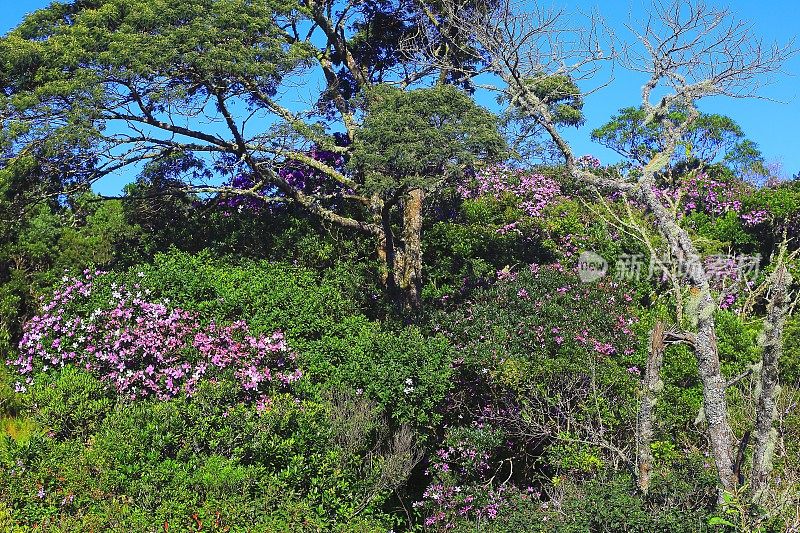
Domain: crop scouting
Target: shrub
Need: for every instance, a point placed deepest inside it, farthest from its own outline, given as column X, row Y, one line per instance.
column 531, row 399
column 141, row 347
column 69, row 403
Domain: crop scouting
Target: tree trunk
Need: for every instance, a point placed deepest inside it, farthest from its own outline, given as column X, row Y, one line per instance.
column 401, row 258
column 766, row 408
column 386, row 254
column 652, row 386
column 409, row 275
column 714, row 403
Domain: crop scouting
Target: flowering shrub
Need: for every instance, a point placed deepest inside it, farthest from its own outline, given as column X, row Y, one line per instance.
column 717, row 192
column 142, row 347
column 533, row 190
column 534, row 350
column 588, row 161
column 453, row 494
column 592, row 318
column 448, row 504
column 706, row 193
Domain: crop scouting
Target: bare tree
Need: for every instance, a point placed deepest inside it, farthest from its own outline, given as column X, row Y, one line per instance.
column 688, row 51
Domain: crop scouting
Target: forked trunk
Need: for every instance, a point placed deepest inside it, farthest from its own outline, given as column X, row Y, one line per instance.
column 714, row 404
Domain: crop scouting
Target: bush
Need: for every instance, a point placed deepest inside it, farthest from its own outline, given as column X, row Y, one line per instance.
column 119, row 459
column 70, row 403
column 613, row 505
column 186, row 461
column 530, row 398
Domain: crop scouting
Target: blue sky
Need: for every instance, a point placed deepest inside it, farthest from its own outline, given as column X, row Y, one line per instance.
column 771, row 124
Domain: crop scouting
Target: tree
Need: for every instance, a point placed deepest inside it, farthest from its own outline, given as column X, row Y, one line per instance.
column 708, row 138
column 193, row 89
column 688, row 51
column 410, row 143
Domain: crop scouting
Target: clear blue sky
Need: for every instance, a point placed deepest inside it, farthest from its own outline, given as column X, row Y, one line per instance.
column 772, row 125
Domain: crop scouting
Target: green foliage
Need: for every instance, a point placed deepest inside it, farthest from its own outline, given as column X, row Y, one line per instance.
column 420, row 138
column 515, row 381
column 540, row 342
column 472, row 247
column 709, row 136
column 716, row 235
column 187, row 461
column 560, row 94
column 69, row 404
column 296, row 300
column 613, row 505
column 405, row 373
column 36, row 249
column 338, row 347
column 609, row 503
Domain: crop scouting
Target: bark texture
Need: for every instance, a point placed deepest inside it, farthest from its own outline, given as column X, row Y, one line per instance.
column 714, row 403
column 652, row 386
column 410, row 268
column 401, row 258
column 766, row 408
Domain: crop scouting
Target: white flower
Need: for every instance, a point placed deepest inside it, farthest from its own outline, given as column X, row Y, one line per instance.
column 409, row 381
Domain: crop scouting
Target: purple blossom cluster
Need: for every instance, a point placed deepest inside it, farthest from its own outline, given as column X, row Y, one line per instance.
column 241, row 202
column 588, row 161
column 296, row 174
column 446, row 504
column 534, row 191
column 711, row 195
column 447, row 498
column 755, row 217
column 729, row 275
column 577, row 292
column 471, row 477
column 143, row 348
column 305, row 178
column 702, row 193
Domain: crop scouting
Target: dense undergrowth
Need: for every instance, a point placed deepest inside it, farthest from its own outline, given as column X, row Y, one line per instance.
column 337, row 293
column 195, row 392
